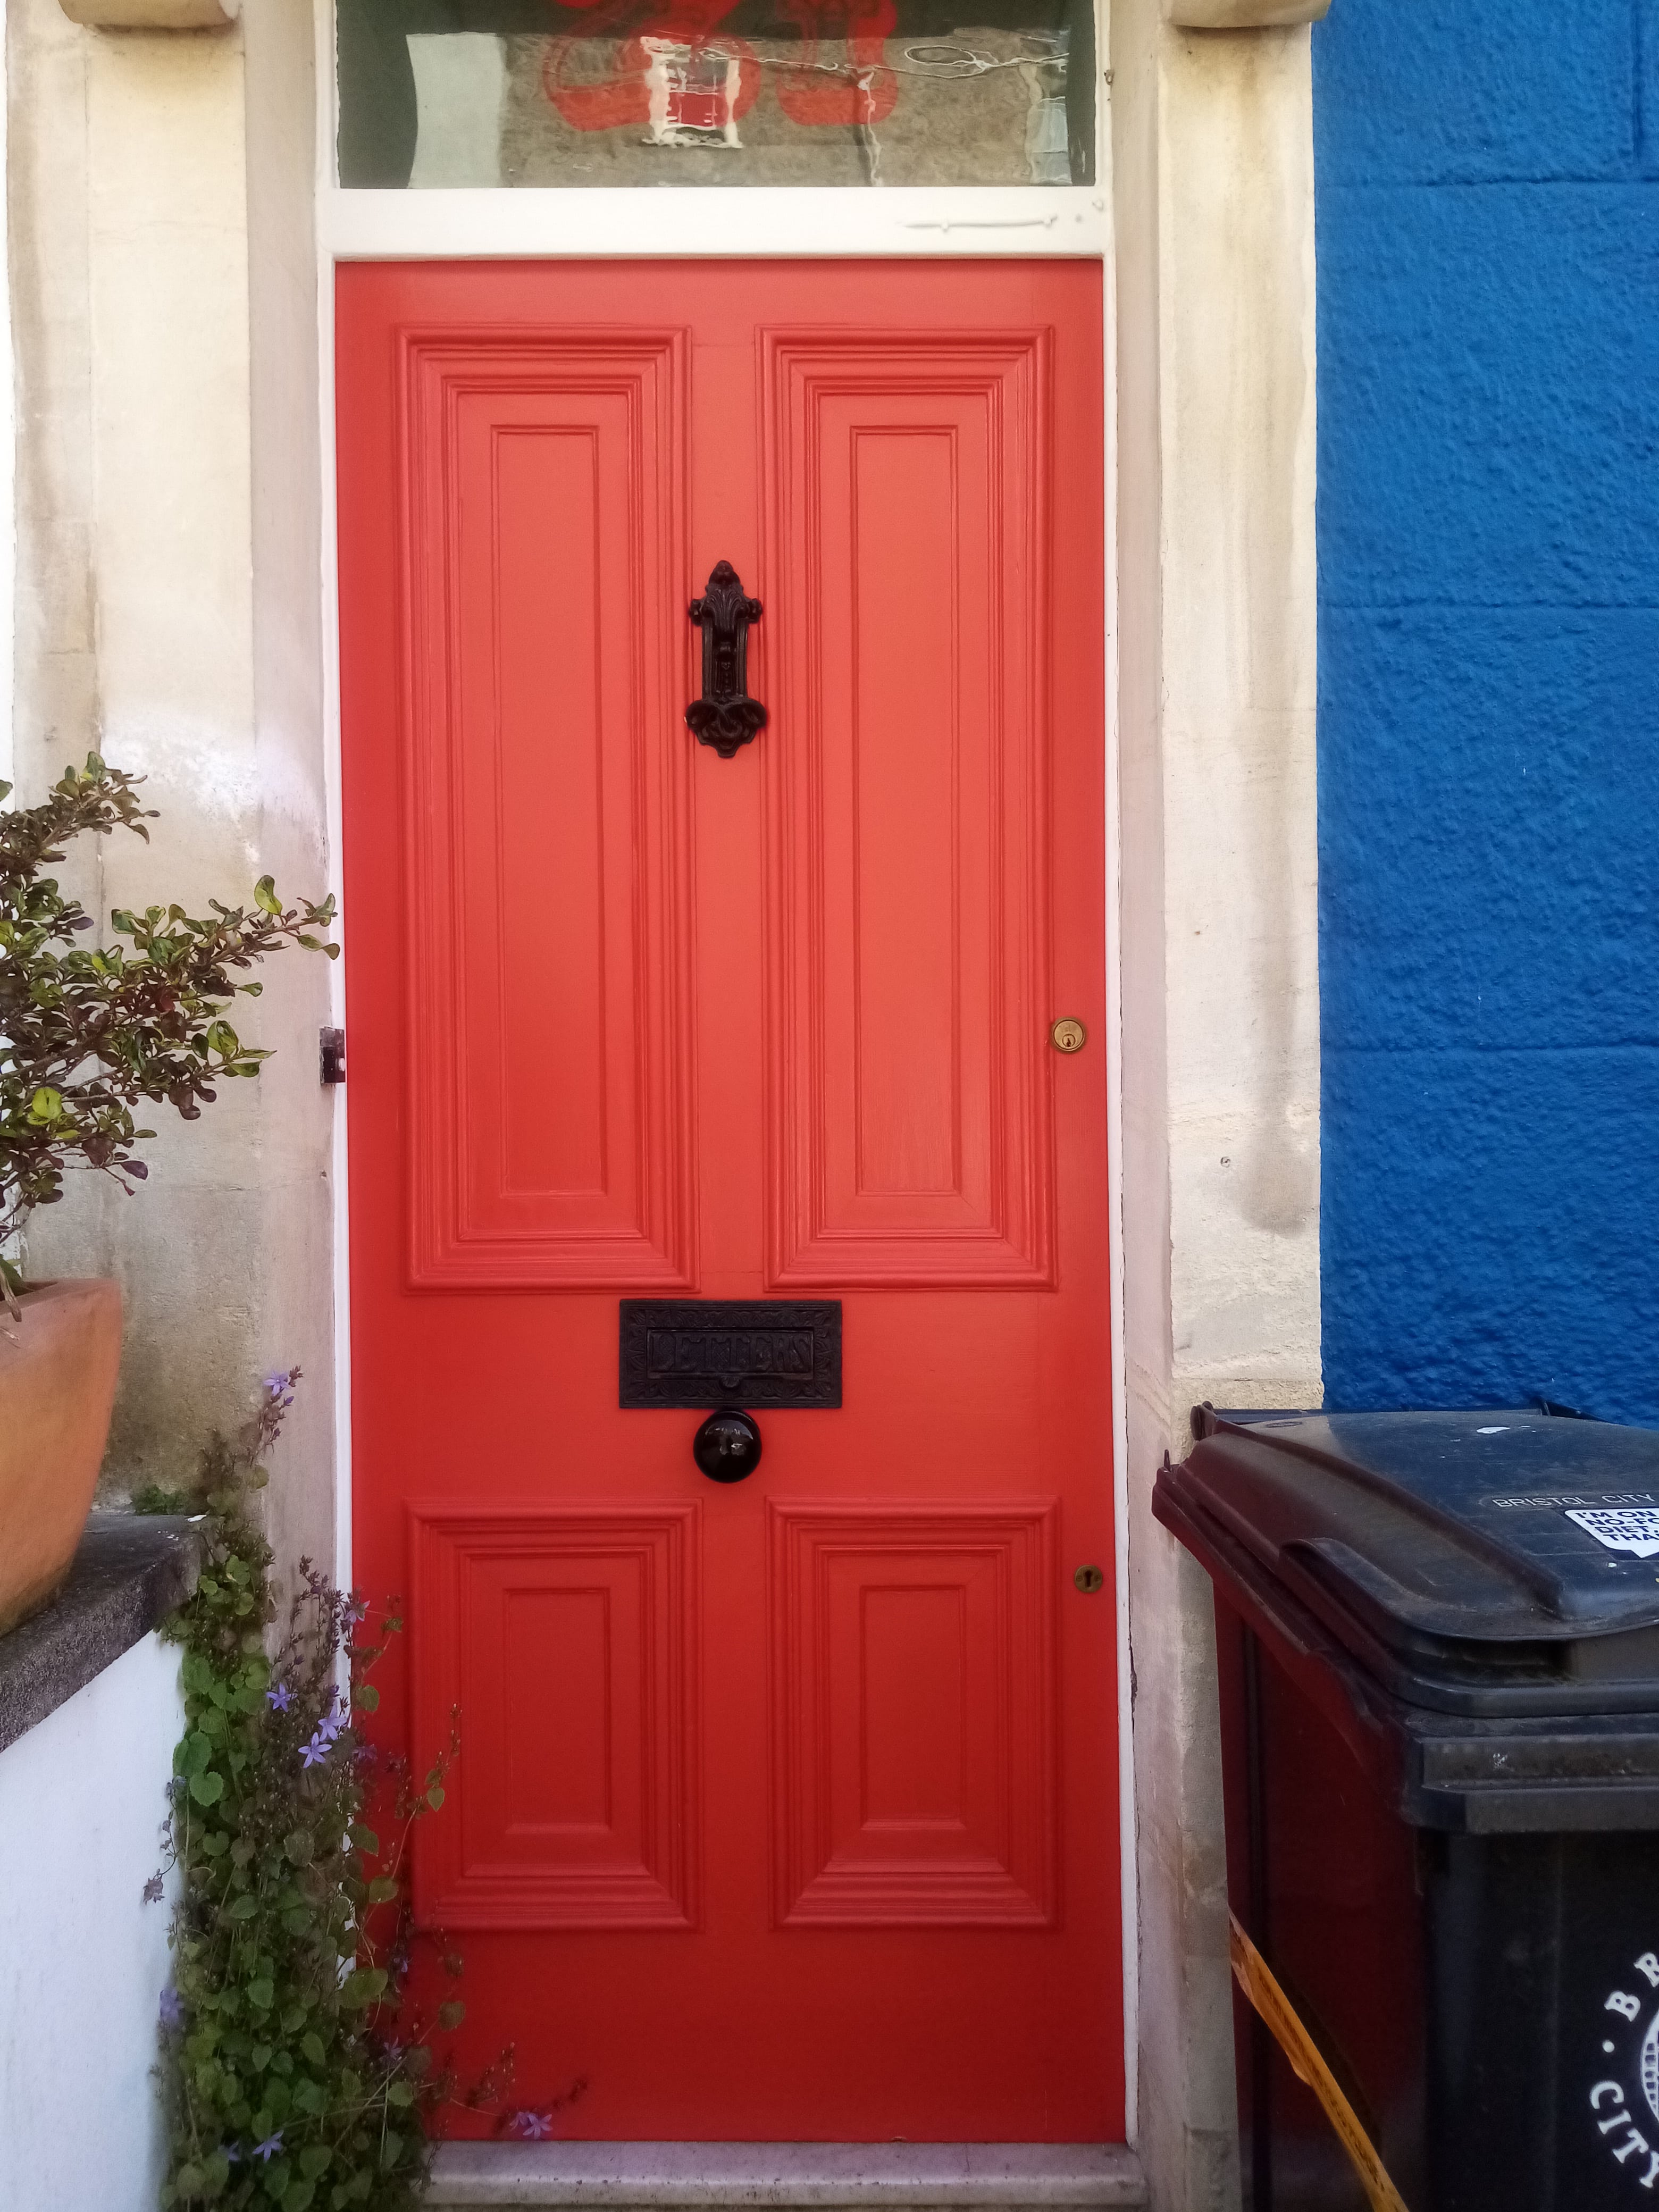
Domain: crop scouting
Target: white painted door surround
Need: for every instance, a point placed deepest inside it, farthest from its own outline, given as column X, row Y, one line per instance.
column 175, row 520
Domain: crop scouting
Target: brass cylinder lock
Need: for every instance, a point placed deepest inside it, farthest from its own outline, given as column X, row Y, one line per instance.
column 1068, row 1036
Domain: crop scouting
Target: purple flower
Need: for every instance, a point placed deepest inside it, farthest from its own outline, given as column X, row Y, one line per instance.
column 153, row 1889
column 173, row 2009
column 365, row 1754
column 268, row 2149
column 357, row 1612
column 279, row 1698
column 314, row 1752
column 534, row 2127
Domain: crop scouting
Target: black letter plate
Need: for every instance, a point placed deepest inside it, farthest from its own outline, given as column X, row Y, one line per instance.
column 731, row 1351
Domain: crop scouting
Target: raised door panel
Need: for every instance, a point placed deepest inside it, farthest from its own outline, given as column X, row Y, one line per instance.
column 550, row 1141
column 907, row 487
column 913, row 1685
column 557, row 1646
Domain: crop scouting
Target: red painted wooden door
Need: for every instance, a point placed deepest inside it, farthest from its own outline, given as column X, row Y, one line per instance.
column 784, row 1809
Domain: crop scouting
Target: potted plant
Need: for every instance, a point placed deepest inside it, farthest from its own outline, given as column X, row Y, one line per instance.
column 87, row 1035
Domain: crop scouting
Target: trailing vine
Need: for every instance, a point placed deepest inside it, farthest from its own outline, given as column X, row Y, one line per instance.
column 288, row 2077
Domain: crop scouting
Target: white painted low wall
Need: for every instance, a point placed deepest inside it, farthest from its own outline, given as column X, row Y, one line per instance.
column 83, row 1959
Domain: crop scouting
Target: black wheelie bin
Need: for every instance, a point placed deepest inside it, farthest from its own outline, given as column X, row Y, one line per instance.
column 1438, row 1639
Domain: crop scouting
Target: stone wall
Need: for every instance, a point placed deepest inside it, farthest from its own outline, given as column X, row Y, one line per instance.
column 163, row 295
column 1213, row 161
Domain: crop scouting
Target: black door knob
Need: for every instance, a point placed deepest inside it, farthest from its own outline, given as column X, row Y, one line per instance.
column 727, row 1446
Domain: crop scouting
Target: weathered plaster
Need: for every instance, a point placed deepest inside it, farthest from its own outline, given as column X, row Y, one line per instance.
column 1213, row 163
column 167, row 374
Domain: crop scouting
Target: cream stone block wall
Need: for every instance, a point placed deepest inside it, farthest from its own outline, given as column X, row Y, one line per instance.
column 1213, row 182
column 168, row 494
column 1239, row 640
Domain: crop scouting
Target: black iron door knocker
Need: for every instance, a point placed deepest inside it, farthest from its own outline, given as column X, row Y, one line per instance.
column 725, row 717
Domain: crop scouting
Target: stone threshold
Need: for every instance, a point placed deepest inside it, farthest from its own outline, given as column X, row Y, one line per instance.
column 621, row 2177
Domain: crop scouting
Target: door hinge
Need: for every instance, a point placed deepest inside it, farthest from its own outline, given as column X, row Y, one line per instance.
column 331, row 1056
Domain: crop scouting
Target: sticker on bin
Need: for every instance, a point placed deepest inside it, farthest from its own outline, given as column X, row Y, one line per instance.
column 1633, row 1530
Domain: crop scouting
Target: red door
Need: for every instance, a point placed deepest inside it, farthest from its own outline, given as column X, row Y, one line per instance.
column 785, row 1807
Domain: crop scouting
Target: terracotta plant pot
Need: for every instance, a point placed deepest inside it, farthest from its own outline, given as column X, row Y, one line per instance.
column 58, row 1362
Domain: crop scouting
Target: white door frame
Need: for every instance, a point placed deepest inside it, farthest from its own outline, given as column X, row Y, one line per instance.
column 802, row 222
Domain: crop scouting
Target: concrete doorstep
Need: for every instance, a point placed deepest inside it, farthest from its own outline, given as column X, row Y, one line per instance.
column 713, row 2177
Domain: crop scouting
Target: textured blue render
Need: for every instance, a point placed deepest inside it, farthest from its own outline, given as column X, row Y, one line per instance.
column 1488, row 259
column 1470, row 91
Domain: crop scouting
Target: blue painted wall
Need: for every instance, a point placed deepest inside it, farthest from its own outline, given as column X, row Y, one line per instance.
column 1488, row 239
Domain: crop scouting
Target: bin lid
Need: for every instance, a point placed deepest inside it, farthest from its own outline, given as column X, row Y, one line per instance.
column 1450, row 1549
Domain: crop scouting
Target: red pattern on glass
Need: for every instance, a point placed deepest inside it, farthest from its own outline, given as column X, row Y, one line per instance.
column 815, row 95
column 604, row 103
column 820, row 98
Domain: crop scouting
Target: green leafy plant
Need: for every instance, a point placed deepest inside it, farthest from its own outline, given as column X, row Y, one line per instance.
column 89, row 1033
column 294, row 2072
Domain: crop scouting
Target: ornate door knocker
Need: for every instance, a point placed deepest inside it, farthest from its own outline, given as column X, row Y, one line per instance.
column 725, row 717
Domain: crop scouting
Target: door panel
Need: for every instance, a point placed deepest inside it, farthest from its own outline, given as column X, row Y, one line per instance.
column 913, row 1139
column 565, row 1638
column 914, row 1766
column 783, row 1809
column 552, row 1124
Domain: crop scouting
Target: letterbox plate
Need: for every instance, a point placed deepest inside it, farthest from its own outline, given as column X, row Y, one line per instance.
column 731, row 1351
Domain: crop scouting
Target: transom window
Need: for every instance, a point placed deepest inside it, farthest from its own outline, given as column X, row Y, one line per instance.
column 468, row 93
